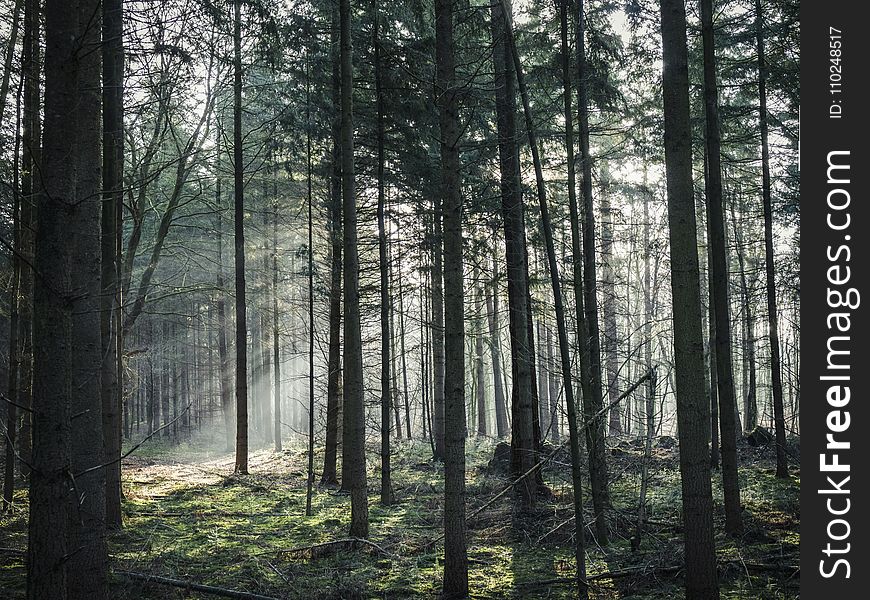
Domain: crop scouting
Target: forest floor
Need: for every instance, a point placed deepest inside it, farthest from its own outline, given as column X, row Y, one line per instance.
column 188, row 518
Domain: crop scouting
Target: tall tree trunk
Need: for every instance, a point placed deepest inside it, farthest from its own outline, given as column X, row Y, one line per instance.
column 15, row 300
column 523, row 447
column 404, row 354
column 50, row 494
column 383, row 263
column 276, row 339
column 555, row 282
column 455, row 551
column 608, row 307
column 480, row 388
column 750, row 404
column 31, row 165
column 395, row 395
column 713, row 389
column 543, row 381
column 770, row 279
column 353, row 448
column 239, row 241
column 333, row 376
column 555, row 433
column 87, row 567
column 438, row 332
column 64, row 263
column 226, row 379
column 424, row 363
column 692, row 406
column 113, row 198
column 595, row 429
column 311, row 327
column 719, row 277
column 501, row 417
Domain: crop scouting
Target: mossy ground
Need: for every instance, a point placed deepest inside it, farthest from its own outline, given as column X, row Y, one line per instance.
column 187, row 517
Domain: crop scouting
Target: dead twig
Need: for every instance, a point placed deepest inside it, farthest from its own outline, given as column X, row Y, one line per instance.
column 195, row 587
column 349, row 542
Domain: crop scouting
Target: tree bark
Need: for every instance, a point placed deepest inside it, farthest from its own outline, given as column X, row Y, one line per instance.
column 719, row 277
column 501, row 417
column 692, row 406
column 353, row 448
column 595, row 432
column 770, row 278
column 311, row 326
column 276, row 337
column 15, row 299
column 555, row 433
column 455, row 551
column 239, row 241
column 31, row 162
column 113, row 198
column 333, row 377
column 608, row 308
column 87, row 567
column 383, row 263
column 438, row 357
column 750, row 403
column 50, row 494
column 480, row 387
column 523, row 447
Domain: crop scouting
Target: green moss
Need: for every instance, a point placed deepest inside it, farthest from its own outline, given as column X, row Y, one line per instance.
column 194, row 520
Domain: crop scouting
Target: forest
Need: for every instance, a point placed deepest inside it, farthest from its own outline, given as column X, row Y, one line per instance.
column 394, row 299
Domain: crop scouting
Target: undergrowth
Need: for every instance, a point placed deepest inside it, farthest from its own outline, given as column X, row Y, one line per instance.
column 187, row 517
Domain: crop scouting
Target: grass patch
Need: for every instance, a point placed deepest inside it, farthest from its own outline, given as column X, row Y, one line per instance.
column 190, row 518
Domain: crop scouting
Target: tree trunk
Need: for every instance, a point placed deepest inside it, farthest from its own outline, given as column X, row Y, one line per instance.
column 692, row 406
column 276, row 339
column 523, row 447
column 333, row 376
column 404, row 355
column 87, row 567
column 438, row 358
column 480, row 388
column 383, row 263
column 31, row 159
column 501, row 417
column 226, row 378
column 353, row 448
column 555, row 433
column 750, row 404
column 719, row 277
column 455, row 551
column 608, row 308
column 239, row 240
column 51, row 497
column 559, row 309
column 543, row 381
column 14, row 347
column 772, row 317
column 595, row 429
column 113, row 198
column 311, row 327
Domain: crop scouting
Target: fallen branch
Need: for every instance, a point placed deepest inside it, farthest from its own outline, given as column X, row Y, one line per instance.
column 312, row 549
column 206, row 515
column 645, row 570
column 194, row 587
